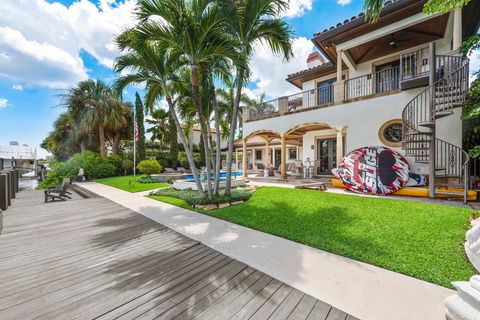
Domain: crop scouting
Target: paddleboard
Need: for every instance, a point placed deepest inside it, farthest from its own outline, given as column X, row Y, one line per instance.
column 375, row 170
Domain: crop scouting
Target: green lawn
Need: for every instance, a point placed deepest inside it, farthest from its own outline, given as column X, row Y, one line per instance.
column 422, row 240
column 126, row 183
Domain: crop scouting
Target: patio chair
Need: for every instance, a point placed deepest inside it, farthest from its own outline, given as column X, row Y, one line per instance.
column 59, row 193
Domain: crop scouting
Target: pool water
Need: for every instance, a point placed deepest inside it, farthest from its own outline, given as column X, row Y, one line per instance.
column 223, row 176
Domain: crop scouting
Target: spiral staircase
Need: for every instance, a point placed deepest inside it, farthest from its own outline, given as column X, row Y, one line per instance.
column 448, row 164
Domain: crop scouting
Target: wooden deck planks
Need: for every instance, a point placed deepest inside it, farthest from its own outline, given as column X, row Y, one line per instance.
column 94, row 259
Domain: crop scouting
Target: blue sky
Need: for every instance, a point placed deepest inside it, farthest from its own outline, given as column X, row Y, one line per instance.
column 54, row 44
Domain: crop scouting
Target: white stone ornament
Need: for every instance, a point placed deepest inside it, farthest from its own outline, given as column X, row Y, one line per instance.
column 465, row 305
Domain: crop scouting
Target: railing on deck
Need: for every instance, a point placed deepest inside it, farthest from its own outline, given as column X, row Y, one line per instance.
column 377, row 82
column 414, row 64
column 264, row 110
column 321, row 96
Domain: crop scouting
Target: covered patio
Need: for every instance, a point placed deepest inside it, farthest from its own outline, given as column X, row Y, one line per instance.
column 310, row 150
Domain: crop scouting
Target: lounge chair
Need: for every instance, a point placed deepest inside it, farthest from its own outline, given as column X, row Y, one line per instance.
column 60, row 193
column 169, row 170
column 183, row 170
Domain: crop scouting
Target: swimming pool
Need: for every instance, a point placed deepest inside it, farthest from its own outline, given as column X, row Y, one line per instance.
column 223, row 176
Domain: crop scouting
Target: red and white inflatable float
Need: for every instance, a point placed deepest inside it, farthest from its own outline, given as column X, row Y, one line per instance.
column 376, row 170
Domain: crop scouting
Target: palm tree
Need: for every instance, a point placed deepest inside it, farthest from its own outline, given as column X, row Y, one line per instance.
column 119, row 118
column 194, row 32
column 98, row 106
column 259, row 105
column 255, row 21
column 158, row 70
column 159, row 128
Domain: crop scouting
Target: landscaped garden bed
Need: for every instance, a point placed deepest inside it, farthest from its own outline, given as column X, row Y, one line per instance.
column 190, row 199
column 418, row 239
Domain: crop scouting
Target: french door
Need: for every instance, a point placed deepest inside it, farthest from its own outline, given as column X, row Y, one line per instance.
column 326, row 155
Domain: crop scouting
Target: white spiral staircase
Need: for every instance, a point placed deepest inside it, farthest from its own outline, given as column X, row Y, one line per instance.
column 448, row 164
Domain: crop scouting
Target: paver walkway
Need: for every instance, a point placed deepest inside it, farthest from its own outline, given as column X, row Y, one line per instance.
column 95, row 259
column 360, row 289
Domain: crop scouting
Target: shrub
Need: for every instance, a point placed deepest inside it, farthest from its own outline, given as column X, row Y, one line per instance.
column 164, row 163
column 149, row 167
column 127, row 166
column 103, row 170
column 145, row 179
column 117, row 161
column 93, row 165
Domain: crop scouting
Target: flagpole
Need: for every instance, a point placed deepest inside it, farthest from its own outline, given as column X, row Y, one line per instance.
column 134, row 148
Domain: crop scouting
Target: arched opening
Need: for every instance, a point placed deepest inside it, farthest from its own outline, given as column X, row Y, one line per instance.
column 322, row 147
column 263, row 156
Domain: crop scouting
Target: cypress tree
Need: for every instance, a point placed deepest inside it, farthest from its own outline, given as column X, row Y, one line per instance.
column 141, row 128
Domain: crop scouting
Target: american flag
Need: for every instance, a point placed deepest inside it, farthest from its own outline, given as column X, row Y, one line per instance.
column 135, row 127
column 135, row 130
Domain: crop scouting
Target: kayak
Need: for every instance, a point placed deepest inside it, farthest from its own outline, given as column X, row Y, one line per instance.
column 421, row 191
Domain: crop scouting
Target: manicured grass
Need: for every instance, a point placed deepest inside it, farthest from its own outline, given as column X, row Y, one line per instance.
column 126, row 183
column 422, row 240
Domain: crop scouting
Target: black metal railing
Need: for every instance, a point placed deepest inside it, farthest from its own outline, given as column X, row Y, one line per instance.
column 321, row 96
column 414, row 64
column 369, row 84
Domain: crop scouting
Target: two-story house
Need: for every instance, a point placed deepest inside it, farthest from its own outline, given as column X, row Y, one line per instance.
column 399, row 83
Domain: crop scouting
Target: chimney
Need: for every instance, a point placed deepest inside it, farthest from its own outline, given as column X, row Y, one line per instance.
column 314, row 59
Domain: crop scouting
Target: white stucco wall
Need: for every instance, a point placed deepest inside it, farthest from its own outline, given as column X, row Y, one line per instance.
column 362, row 119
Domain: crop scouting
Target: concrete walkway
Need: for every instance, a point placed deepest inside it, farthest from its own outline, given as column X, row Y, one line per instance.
column 365, row 291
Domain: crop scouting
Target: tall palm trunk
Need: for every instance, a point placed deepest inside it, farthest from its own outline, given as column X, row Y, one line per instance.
column 116, row 142
column 203, row 125
column 183, row 140
column 233, row 129
column 101, row 135
column 218, row 156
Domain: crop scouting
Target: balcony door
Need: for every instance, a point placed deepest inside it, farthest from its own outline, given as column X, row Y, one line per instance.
column 325, row 92
column 387, row 76
column 326, row 155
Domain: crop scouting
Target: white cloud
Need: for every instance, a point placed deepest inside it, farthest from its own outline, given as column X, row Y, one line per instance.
column 40, row 42
column 3, row 103
column 474, row 64
column 297, row 8
column 17, row 87
column 343, row 2
column 269, row 72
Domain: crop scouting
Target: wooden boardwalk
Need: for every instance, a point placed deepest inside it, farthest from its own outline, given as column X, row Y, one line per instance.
column 94, row 259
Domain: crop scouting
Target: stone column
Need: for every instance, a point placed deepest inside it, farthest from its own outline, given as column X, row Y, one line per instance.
column 266, row 161
column 3, row 191
column 245, row 114
column 339, row 145
column 283, row 159
column 282, row 105
column 244, row 158
column 457, row 29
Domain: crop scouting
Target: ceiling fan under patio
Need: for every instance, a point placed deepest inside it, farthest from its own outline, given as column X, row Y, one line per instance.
column 394, row 38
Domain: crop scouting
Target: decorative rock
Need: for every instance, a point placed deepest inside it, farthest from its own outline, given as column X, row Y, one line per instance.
column 465, row 305
column 210, row 207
